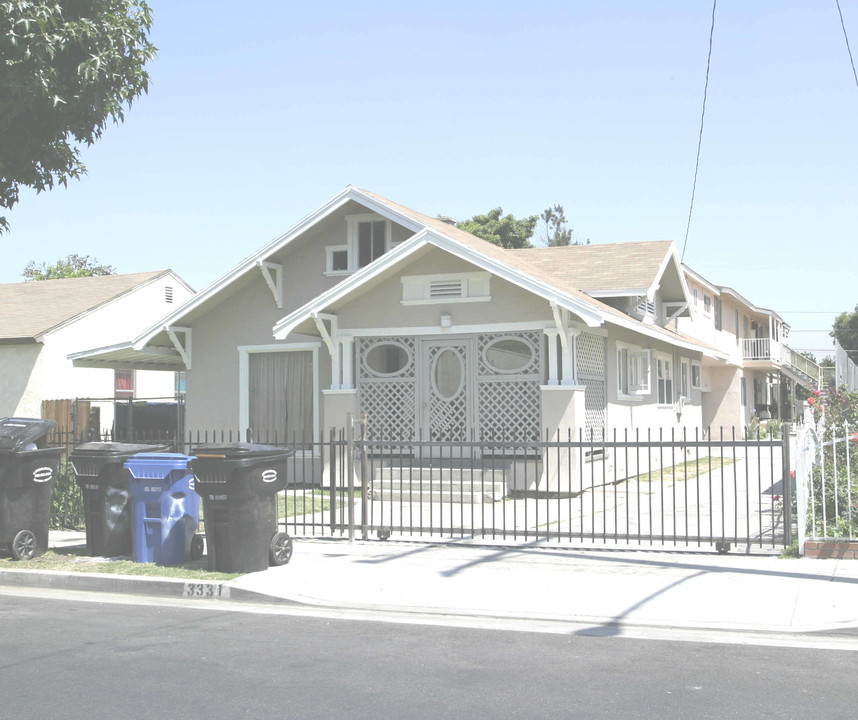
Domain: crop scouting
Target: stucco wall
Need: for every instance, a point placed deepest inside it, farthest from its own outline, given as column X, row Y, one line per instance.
column 246, row 317
column 722, row 402
column 20, row 380
column 643, row 412
column 382, row 306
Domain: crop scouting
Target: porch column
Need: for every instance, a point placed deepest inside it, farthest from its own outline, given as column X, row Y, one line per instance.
column 553, row 377
column 562, row 416
column 570, row 372
column 347, row 346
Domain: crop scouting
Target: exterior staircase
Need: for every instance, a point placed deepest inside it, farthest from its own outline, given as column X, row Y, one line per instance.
column 438, row 484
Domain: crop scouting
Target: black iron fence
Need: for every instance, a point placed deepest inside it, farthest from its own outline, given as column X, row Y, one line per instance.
column 689, row 490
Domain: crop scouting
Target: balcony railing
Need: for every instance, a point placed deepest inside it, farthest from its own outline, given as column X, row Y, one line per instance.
column 762, row 349
column 775, row 352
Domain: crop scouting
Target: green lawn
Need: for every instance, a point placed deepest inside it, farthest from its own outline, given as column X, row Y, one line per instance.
column 76, row 560
column 683, row 471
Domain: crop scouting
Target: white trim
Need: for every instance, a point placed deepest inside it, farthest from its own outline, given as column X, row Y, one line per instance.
column 244, row 352
column 184, row 349
column 275, row 283
column 641, row 357
column 438, row 330
column 352, row 247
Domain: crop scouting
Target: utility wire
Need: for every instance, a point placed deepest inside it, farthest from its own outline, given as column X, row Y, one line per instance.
column 700, row 136
column 846, row 37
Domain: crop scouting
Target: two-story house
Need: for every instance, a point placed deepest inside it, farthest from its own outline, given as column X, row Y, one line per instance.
column 761, row 373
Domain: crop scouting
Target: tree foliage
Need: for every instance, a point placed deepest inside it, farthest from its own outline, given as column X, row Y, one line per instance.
column 556, row 230
column 74, row 266
column 845, row 331
column 500, row 229
column 68, row 67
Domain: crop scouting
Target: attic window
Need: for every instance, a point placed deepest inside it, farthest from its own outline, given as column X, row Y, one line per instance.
column 168, row 294
column 438, row 289
column 368, row 237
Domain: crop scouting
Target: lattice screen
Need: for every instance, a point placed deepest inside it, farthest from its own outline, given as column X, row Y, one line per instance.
column 594, row 409
column 590, row 358
column 509, row 404
column 590, row 354
column 389, row 402
column 448, row 416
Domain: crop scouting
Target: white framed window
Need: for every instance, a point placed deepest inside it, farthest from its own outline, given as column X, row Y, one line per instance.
column 633, row 370
column 664, row 379
column 447, row 288
column 696, row 383
column 685, row 377
column 279, row 394
column 696, row 302
column 368, row 237
column 707, row 304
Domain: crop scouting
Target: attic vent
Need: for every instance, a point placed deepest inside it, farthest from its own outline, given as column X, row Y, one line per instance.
column 168, row 294
column 445, row 289
column 646, row 308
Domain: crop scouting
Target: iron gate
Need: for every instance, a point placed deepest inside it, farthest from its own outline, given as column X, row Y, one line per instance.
column 632, row 490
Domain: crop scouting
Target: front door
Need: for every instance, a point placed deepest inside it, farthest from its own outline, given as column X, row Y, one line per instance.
column 447, row 390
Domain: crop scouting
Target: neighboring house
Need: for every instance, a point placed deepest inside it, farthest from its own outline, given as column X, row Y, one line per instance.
column 369, row 306
column 44, row 321
column 760, row 376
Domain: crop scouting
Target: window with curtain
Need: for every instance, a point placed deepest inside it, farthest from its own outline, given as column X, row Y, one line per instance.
column 123, row 383
column 281, row 397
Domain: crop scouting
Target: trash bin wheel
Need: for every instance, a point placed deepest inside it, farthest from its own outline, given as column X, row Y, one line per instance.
column 198, row 546
column 24, row 545
column 280, row 549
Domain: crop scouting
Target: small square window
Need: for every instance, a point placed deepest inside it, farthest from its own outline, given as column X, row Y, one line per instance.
column 340, row 260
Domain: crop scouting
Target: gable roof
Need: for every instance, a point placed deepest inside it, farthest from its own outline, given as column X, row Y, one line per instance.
column 32, row 309
column 520, row 267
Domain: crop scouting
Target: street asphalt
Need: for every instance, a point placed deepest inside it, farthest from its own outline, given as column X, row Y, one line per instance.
column 601, row 588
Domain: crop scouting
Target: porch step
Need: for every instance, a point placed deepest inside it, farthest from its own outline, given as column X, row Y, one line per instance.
column 432, row 484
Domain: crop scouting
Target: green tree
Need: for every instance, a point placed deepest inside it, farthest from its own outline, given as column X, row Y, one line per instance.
column 556, row 230
column 500, row 229
column 74, row 266
column 845, row 331
column 68, row 66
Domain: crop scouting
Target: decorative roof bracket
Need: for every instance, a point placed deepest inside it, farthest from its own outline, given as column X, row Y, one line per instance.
column 275, row 282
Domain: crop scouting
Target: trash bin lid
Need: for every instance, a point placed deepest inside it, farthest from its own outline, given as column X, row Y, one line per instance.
column 234, row 451
column 114, row 449
column 15, row 433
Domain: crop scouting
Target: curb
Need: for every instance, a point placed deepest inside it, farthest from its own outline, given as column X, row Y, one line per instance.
column 133, row 585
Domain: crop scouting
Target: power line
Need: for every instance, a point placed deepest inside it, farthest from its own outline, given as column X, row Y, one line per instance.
column 700, row 135
column 846, row 37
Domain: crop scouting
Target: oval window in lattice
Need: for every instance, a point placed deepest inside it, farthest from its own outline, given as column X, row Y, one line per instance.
column 508, row 354
column 448, row 374
column 387, row 359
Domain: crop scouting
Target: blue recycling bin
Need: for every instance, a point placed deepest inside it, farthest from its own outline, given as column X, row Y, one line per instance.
column 165, row 509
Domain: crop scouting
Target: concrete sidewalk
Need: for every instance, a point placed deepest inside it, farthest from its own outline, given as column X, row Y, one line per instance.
column 545, row 582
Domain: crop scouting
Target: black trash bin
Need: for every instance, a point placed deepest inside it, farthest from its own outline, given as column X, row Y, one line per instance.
column 239, row 484
column 99, row 472
column 28, row 474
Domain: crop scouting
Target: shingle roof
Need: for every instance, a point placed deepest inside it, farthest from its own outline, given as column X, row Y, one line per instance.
column 30, row 309
column 618, row 267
